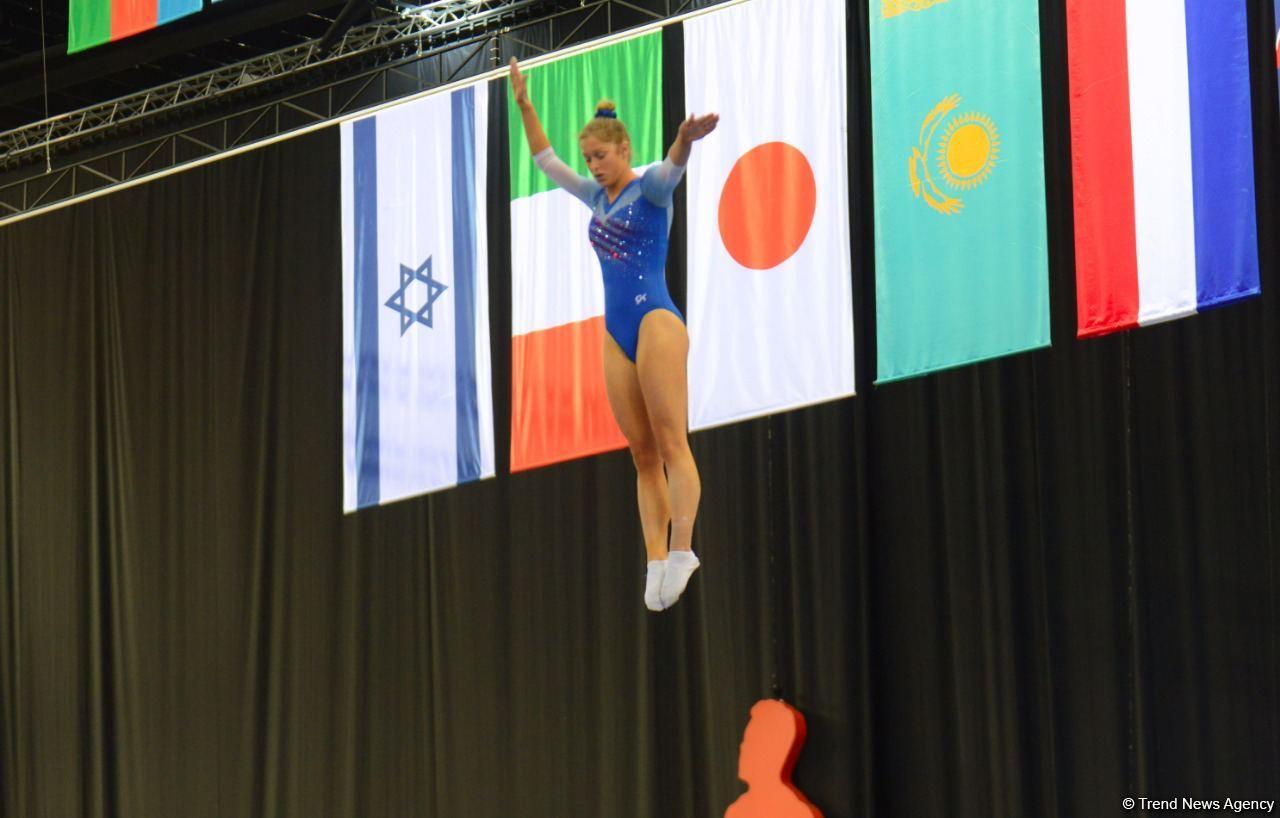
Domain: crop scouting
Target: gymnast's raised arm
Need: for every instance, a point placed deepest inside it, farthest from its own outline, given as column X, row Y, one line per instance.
column 543, row 154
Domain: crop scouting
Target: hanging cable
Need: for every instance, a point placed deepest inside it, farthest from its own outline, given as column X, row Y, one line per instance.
column 44, row 71
column 775, row 602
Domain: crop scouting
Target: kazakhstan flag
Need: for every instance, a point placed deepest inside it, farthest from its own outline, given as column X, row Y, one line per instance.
column 962, row 269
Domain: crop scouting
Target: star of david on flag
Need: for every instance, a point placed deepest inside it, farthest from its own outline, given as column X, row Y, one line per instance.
column 408, row 275
column 417, row 396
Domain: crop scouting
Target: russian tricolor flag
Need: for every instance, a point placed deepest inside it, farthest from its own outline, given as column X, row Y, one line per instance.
column 1162, row 159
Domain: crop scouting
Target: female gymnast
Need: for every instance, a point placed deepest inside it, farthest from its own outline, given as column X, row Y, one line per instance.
column 646, row 347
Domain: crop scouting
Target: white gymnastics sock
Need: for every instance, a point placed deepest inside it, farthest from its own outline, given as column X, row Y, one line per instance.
column 653, row 585
column 680, row 566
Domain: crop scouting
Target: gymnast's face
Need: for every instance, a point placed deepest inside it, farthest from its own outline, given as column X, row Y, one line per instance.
column 608, row 162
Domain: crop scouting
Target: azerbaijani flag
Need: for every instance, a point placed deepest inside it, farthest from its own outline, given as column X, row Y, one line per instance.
column 962, row 270
column 1162, row 159
column 559, row 409
column 94, row 22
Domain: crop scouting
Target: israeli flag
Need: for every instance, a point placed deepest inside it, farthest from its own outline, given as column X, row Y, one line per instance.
column 417, row 397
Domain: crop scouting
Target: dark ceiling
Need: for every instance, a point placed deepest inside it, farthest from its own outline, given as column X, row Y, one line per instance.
column 222, row 34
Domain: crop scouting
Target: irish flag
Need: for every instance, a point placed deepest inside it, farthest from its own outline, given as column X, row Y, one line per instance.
column 1162, row 159
column 94, row 22
column 770, row 272
column 559, row 409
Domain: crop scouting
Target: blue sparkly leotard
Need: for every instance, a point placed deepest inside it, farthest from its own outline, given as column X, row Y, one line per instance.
column 630, row 238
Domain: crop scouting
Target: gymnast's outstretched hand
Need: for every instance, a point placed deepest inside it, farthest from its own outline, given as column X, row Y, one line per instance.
column 691, row 130
column 533, row 132
column 519, row 85
column 696, row 127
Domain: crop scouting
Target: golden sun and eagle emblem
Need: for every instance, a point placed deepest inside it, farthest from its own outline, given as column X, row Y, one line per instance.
column 964, row 147
column 892, row 8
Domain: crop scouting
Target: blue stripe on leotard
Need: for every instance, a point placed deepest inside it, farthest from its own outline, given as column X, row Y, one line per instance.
column 630, row 239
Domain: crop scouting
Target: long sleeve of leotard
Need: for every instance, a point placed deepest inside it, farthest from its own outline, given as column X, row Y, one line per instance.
column 660, row 181
column 580, row 186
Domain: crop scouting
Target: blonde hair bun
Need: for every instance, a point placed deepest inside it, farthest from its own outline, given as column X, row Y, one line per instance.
column 605, row 125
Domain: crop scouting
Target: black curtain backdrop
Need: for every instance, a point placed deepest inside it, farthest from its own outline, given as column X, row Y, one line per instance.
column 1031, row 587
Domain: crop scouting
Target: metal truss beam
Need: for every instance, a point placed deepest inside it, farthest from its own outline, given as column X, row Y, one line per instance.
column 387, row 60
column 427, row 26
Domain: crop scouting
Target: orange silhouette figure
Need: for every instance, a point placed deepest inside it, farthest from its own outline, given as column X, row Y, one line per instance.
column 770, row 746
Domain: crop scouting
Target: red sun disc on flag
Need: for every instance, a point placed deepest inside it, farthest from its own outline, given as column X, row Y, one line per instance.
column 767, row 205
